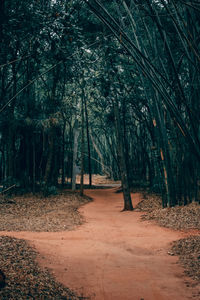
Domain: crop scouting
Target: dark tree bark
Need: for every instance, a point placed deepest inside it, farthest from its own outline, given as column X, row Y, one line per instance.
column 122, row 162
column 82, row 144
column 34, row 164
column 50, row 156
column 165, row 157
column 75, row 150
column 88, row 143
column 63, row 154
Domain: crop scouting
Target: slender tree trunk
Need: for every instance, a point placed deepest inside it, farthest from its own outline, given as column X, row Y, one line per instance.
column 50, row 157
column 82, row 145
column 126, row 148
column 11, row 153
column 88, row 143
column 63, row 154
column 165, row 157
column 1, row 164
column 34, row 164
column 123, row 170
column 102, row 163
column 11, row 138
column 75, row 150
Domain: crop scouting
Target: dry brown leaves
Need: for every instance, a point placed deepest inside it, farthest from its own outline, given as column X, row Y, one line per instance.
column 24, row 278
column 179, row 218
column 150, row 202
column 35, row 213
column 188, row 250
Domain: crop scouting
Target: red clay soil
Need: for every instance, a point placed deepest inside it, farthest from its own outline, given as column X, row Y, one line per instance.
column 114, row 256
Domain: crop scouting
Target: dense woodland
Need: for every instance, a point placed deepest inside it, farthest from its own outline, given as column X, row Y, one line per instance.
column 109, row 86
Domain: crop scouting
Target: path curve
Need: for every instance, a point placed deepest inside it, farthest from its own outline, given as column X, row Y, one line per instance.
column 113, row 256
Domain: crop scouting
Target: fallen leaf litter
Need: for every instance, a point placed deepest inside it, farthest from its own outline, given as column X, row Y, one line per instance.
column 36, row 213
column 183, row 218
column 24, row 278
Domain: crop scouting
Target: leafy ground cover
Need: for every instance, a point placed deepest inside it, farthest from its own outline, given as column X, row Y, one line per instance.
column 179, row 217
column 36, row 213
column 24, row 278
column 184, row 218
column 188, row 250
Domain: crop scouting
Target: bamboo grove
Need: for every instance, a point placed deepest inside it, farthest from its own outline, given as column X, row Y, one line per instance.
column 109, row 86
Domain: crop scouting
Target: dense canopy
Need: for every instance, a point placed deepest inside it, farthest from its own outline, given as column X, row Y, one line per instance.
column 108, row 87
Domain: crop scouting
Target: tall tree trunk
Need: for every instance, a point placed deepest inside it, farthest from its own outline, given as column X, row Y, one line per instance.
column 63, row 154
column 11, row 138
column 88, row 143
column 11, row 152
column 34, row 164
column 123, row 170
column 165, row 157
column 126, row 148
column 102, row 163
column 75, row 151
column 82, row 145
column 50, row 157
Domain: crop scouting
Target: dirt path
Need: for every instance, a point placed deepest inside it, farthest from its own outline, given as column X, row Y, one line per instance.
column 113, row 256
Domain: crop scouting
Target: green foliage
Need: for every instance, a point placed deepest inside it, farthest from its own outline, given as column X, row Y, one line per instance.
column 49, row 190
column 142, row 55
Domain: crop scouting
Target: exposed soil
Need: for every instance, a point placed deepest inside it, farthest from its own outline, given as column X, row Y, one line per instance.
column 185, row 218
column 98, row 180
column 114, row 255
column 24, row 278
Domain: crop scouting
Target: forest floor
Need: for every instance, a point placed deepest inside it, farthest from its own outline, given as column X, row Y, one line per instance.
column 25, row 279
column 182, row 218
column 37, row 213
column 113, row 255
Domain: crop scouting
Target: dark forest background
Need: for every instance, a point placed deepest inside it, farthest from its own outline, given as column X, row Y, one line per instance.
column 113, row 84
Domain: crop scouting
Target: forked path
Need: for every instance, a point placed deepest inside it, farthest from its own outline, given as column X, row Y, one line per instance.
column 113, row 256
